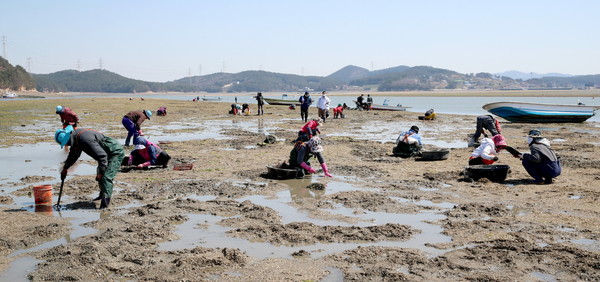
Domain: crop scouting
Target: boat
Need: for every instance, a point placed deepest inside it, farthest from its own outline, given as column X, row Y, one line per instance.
column 283, row 101
column 377, row 107
column 526, row 112
column 211, row 98
column 10, row 95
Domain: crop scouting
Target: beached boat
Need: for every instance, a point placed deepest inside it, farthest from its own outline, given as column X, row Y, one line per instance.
column 211, row 98
column 525, row 112
column 285, row 100
column 376, row 107
column 10, row 95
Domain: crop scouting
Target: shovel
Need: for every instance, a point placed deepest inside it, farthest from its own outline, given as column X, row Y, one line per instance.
column 57, row 205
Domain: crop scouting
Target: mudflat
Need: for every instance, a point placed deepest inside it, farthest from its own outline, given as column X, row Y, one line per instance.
column 347, row 227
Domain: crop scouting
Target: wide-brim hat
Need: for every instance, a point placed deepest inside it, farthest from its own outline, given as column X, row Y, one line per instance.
column 63, row 135
column 148, row 113
column 535, row 133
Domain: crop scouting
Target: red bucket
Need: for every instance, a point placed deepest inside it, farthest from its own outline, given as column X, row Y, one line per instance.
column 42, row 194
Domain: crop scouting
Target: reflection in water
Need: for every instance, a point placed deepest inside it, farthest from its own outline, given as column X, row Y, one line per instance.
column 261, row 126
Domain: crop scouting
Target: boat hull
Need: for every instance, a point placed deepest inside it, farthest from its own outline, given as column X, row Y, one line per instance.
column 376, row 107
column 521, row 112
column 283, row 102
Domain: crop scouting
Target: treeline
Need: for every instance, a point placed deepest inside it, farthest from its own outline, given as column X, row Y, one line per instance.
column 14, row 78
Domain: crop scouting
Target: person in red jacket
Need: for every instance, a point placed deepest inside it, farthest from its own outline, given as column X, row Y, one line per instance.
column 67, row 116
column 309, row 130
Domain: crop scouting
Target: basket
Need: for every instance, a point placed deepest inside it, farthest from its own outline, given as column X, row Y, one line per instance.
column 495, row 173
column 284, row 173
column 183, row 166
column 437, row 155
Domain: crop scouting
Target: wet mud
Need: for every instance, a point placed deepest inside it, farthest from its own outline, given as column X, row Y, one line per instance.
column 379, row 218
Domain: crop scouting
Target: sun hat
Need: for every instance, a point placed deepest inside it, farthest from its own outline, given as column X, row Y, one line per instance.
column 499, row 141
column 140, row 147
column 59, row 109
column 62, row 136
column 314, row 144
column 148, row 113
column 535, row 133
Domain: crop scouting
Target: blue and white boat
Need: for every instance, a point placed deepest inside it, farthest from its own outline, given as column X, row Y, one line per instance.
column 524, row 112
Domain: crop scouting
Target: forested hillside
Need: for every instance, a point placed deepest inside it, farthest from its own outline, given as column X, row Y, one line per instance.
column 14, row 78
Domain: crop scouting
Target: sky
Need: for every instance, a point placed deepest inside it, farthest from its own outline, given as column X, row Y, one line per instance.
column 161, row 41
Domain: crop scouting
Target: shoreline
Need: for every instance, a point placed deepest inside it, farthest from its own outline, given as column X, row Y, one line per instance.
column 439, row 93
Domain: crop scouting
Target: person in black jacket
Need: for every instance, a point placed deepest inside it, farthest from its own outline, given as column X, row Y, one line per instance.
column 105, row 150
column 542, row 163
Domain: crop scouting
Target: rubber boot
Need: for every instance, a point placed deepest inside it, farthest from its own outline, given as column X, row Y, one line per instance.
column 325, row 170
column 105, row 202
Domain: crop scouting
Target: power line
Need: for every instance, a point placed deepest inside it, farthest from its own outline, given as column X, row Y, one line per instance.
column 4, row 47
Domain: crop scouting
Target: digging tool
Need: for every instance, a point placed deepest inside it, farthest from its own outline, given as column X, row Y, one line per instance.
column 62, row 183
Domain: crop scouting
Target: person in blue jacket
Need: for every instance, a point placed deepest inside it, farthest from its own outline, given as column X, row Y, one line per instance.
column 305, row 102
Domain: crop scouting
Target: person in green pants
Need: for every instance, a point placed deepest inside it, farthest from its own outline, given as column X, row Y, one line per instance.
column 105, row 150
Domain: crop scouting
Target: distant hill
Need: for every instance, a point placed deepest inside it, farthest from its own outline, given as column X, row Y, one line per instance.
column 400, row 78
column 525, row 76
column 14, row 77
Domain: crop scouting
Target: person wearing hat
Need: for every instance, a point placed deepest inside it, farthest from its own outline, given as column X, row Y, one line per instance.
column 67, row 116
column 105, row 150
column 408, row 143
column 486, row 122
column 430, row 115
column 305, row 102
column 147, row 153
column 338, row 112
column 487, row 151
column 309, row 130
column 132, row 121
column 542, row 163
column 303, row 151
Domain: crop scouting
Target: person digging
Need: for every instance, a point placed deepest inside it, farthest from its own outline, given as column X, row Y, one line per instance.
column 105, row 150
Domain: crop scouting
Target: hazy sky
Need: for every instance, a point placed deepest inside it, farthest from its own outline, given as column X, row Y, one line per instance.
column 167, row 40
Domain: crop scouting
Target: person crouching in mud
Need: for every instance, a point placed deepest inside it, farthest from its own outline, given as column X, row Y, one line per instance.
column 147, row 153
column 105, row 150
column 542, row 163
column 309, row 130
column 487, row 152
column 408, row 143
column 303, row 151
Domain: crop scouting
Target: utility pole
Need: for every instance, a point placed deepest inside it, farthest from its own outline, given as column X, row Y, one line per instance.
column 29, row 64
column 223, row 69
column 4, row 47
column 200, row 70
column 78, row 65
column 100, row 63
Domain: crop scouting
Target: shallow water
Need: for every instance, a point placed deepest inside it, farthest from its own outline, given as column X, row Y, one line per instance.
column 210, row 234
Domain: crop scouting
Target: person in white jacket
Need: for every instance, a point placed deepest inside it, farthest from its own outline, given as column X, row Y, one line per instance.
column 323, row 106
column 487, row 152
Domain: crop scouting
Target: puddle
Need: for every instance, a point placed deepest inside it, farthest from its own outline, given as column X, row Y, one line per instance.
column 425, row 189
column 587, row 244
column 18, row 270
column 203, row 230
column 575, row 197
column 543, row 276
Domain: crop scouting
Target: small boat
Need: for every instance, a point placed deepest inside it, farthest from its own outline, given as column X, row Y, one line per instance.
column 10, row 95
column 211, row 98
column 377, row 107
column 285, row 101
column 525, row 112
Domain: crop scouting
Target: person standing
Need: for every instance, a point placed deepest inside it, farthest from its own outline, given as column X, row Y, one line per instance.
column 67, row 116
column 132, row 121
column 542, row 163
column 323, row 106
column 369, row 102
column 260, row 101
column 305, row 102
column 105, row 150
column 359, row 101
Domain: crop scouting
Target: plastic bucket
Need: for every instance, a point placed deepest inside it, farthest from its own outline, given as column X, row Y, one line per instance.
column 42, row 194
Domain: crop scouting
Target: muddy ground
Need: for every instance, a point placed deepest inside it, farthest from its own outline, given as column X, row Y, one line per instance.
column 499, row 231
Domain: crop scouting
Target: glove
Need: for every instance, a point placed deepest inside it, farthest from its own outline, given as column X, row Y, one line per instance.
column 144, row 165
column 63, row 174
column 307, row 167
column 141, row 133
column 325, row 170
column 495, row 159
column 98, row 177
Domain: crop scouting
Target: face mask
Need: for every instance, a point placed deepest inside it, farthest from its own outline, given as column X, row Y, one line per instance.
column 529, row 140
